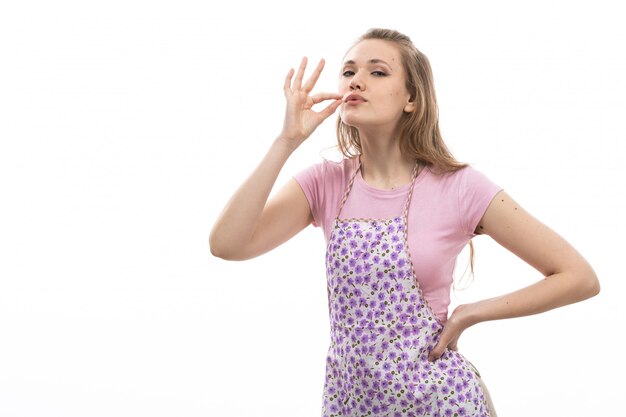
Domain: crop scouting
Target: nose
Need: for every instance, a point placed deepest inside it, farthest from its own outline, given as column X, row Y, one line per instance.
column 356, row 83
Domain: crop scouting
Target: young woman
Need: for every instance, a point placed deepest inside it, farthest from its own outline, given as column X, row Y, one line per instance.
column 396, row 212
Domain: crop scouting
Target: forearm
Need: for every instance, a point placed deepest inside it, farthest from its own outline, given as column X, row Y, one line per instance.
column 554, row 291
column 237, row 222
column 248, row 226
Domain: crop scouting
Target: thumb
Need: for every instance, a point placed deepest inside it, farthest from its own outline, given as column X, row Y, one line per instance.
column 437, row 351
column 330, row 109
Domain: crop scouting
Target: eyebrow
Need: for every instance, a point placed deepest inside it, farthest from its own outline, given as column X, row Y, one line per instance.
column 371, row 61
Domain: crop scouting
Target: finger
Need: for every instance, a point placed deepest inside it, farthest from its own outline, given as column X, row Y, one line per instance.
column 308, row 86
column 297, row 82
column 330, row 109
column 436, row 352
column 318, row 98
column 287, row 86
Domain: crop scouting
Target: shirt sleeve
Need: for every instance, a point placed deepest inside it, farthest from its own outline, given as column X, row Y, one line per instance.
column 310, row 180
column 476, row 191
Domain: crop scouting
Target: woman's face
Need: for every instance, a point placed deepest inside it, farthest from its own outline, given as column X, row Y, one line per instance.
column 372, row 82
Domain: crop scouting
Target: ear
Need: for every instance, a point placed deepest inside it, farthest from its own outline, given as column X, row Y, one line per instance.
column 409, row 107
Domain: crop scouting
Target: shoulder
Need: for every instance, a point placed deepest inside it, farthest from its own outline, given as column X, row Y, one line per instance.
column 475, row 193
column 327, row 171
column 323, row 184
column 467, row 177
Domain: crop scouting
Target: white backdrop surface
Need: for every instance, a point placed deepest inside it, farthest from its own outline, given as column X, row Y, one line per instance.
column 125, row 126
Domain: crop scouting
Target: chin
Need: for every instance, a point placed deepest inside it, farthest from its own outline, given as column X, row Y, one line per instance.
column 350, row 120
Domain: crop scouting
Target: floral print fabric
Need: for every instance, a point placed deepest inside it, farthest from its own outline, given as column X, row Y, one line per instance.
column 382, row 330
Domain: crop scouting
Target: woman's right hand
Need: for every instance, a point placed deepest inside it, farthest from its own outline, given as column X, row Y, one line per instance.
column 251, row 225
column 300, row 119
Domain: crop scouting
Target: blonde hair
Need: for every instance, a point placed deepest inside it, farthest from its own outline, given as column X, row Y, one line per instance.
column 419, row 135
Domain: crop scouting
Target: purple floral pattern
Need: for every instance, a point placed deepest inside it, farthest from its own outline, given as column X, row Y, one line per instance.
column 382, row 330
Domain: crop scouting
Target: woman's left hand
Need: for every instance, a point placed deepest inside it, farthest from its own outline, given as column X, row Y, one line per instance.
column 455, row 325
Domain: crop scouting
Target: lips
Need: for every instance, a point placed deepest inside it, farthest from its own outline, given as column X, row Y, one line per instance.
column 354, row 99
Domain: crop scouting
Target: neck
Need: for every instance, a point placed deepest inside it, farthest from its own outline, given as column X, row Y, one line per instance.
column 382, row 164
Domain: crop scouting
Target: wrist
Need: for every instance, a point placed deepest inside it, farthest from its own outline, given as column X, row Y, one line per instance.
column 286, row 144
column 468, row 314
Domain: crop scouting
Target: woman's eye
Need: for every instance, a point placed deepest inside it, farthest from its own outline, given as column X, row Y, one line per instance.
column 349, row 73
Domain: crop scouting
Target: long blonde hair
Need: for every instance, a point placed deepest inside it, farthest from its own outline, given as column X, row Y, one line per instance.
column 420, row 138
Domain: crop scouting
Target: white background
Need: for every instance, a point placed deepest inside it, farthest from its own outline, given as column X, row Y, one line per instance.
column 126, row 125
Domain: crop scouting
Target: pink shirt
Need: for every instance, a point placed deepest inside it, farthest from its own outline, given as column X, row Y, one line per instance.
column 443, row 214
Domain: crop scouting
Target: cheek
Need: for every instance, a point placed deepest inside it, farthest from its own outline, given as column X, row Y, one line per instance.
column 343, row 86
column 395, row 92
column 397, row 96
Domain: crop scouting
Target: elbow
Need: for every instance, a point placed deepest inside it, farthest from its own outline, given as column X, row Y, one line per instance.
column 217, row 248
column 594, row 287
column 220, row 250
column 590, row 285
column 221, row 253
